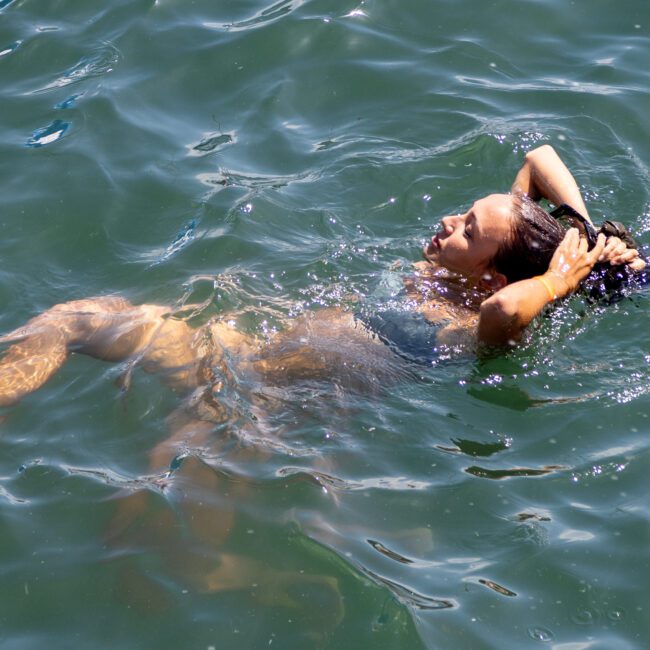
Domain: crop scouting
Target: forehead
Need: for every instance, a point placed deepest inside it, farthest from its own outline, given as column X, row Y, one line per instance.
column 493, row 215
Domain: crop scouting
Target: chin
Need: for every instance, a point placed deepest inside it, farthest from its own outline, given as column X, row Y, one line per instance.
column 430, row 254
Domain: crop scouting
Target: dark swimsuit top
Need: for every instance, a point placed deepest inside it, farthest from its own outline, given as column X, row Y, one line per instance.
column 408, row 333
column 390, row 315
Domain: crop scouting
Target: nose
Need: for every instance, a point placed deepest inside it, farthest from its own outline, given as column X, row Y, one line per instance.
column 449, row 223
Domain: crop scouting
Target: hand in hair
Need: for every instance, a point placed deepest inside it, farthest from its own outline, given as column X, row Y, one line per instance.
column 505, row 315
column 617, row 252
column 572, row 262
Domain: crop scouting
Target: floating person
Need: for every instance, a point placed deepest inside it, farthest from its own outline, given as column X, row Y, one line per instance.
column 487, row 274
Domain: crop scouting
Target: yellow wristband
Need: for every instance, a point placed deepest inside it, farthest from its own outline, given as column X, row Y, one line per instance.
column 547, row 285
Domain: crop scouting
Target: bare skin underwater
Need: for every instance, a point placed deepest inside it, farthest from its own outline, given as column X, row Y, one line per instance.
column 463, row 287
column 188, row 514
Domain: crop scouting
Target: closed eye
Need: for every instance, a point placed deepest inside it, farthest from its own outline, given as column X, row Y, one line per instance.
column 469, row 230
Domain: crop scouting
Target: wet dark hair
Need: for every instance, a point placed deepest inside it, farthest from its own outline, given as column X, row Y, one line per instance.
column 534, row 236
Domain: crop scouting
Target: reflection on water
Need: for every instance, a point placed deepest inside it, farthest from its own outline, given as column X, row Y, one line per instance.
column 48, row 134
column 99, row 62
column 259, row 19
column 211, row 143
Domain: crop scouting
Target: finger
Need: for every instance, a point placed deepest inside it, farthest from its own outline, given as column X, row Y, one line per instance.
column 566, row 244
column 597, row 250
column 571, row 238
column 627, row 256
column 610, row 243
column 613, row 246
column 638, row 264
column 629, row 253
column 583, row 245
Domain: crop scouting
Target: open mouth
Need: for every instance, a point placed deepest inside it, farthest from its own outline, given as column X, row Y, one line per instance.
column 432, row 247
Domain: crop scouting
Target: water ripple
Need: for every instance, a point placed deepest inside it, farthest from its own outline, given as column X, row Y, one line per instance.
column 114, row 479
column 182, row 239
column 101, row 61
column 515, row 472
column 412, row 598
column 210, row 143
column 69, row 102
column 11, row 498
column 349, row 128
column 379, row 483
column 540, row 634
column 500, row 589
column 48, row 134
column 389, row 553
column 545, row 84
column 231, row 178
column 259, row 19
column 9, row 49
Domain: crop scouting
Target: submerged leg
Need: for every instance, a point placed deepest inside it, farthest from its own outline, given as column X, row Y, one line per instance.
column 107, row 328
column 29, row 364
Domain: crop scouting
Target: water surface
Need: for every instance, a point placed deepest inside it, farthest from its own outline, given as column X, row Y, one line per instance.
column 268, row 158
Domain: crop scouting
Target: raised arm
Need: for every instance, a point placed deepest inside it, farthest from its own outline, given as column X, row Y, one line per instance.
column 505, row 315
column 544, row 176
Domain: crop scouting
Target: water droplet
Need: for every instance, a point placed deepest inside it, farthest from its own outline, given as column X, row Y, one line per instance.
column 584, row 617
column 616, row 615
column 540, row 634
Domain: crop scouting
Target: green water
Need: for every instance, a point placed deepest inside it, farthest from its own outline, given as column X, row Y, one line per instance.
column 268, row 158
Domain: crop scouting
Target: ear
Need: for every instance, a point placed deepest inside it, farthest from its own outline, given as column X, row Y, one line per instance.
column 493, row 280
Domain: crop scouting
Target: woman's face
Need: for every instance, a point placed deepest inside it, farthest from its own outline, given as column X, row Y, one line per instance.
column 468, row 242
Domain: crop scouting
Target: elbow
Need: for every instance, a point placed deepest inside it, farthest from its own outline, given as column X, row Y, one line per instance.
column 539, row 152
column 499, row 321
column 500, row 308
